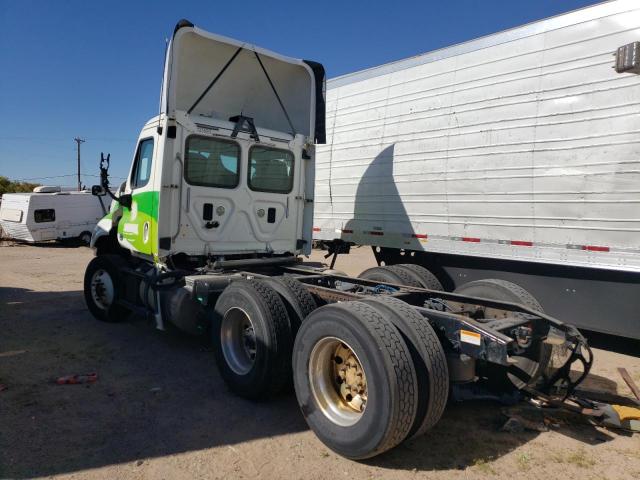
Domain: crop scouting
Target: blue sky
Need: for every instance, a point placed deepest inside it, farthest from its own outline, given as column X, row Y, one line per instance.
column 93, row 69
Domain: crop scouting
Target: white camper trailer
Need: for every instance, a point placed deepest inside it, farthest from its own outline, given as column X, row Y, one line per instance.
column 50, row 214
column 511, row 157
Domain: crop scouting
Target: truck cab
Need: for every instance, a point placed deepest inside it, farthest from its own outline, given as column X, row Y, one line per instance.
column 226, row 170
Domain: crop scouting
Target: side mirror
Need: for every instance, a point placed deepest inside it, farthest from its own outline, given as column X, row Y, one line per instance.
column 98, row 191
column 125, row 200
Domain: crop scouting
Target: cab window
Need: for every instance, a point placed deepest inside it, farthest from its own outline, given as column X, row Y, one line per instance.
column 142, row 164
column 211, row 162
column 270, row 170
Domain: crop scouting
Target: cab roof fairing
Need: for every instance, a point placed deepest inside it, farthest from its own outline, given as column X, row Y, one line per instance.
column 195, row 58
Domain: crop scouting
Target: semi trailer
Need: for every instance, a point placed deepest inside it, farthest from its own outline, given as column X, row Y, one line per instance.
column 513, row 157
column 208, row 234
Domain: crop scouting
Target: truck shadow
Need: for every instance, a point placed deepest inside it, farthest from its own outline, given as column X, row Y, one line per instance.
column 65, row 243
column 156, row 394
column 470, row 434
column 377, row 197
column 159, row 395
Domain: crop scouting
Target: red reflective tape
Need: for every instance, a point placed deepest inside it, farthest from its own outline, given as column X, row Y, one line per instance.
column 522, row 243
column 595, row 248
column 316, row 229
column 347, row 231
column 379, row 234
column 470, row 239
column 419, row 235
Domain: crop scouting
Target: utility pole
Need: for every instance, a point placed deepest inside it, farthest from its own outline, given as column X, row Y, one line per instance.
column 79, row 140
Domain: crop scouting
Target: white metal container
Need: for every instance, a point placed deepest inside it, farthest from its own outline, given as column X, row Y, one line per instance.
column 522, row 145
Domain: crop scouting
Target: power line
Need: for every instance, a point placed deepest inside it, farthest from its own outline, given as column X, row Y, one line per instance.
column 56, row 139
column 61, row 176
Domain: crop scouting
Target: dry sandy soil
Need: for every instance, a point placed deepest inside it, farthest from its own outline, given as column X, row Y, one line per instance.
column 160, row 409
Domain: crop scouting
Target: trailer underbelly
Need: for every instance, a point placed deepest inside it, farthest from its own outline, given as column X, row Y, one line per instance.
column 601, row 300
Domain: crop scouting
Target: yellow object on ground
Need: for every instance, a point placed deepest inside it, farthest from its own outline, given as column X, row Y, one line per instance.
column 627, row 413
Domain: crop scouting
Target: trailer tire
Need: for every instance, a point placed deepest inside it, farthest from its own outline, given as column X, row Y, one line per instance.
column 85, row 238
column 252, row 339
column 496, row 289
column 424, row 277
column 387, row 372
column 103, row 285
column 389, row 274
column 428, row 358
column 297, row 299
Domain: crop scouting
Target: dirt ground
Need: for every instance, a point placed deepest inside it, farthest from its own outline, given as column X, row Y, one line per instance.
column 160, row 409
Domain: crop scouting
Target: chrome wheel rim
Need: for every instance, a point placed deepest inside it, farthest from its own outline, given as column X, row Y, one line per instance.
column 102, row 291
column 238, row 340
column 338, row 381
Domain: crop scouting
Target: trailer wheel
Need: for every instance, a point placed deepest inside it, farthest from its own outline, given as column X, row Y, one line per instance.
column 424, row 277
column 354, row 379
column 252, row 339
column 428, row 357
column 532, row 363
column 103, row 287
column 297, row 299
column 85, row 238
column 389, row 274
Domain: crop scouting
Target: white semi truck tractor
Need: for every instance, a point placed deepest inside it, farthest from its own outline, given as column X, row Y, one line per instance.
column 207, row 235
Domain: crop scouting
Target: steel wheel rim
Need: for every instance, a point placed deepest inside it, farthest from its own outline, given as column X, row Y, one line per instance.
column 102, row 290
column 238, row 340
column 338, row 385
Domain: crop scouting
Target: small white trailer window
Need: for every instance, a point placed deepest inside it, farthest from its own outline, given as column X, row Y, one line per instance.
column 270, row 170
column 211, row 162
column 44, row 215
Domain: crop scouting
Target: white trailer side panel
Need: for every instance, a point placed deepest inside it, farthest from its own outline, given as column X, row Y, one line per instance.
column 74, row 213
column 521, row 145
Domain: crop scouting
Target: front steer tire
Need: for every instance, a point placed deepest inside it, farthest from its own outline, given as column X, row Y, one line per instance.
column 388, row 370
column 252, row 339
column 103, row 284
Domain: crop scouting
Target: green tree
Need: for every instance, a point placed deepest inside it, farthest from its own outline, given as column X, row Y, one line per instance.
column 9, row 186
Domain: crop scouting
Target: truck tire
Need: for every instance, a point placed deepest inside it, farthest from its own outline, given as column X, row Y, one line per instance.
column 428, row 358
column 103, row 285
column 297, row 299
column 535, row 360
column 252, row 339
column 354, row 379
column 424, row 277
column 389, row 274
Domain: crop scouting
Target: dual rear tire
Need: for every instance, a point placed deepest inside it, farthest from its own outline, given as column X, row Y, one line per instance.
column 392, row 386
column 407, row 274
column 367, row 375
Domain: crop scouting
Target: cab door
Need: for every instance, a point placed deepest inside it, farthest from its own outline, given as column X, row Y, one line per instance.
column 137, row 230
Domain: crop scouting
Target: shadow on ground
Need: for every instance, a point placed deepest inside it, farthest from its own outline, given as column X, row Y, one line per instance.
column 63, row 243
column 159, row 394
